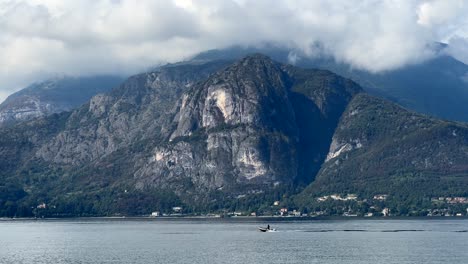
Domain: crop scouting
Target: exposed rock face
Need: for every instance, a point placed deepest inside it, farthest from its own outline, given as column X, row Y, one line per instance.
column 139, row 109
column 338, row 148
column 236, row 126
column 252, row 91
column 53, row 96
column 31, row 107
column 240, row 127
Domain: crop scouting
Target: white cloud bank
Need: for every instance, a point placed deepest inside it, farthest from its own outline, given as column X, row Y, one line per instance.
column 39, row 38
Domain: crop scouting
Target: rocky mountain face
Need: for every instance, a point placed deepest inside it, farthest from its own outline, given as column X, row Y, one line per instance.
column 71, row 157
column 193, row 129
column 53, row 96
column 236, row 128
column 140, row 109
column 437, row 87
column 214, row 135
column 239, row 127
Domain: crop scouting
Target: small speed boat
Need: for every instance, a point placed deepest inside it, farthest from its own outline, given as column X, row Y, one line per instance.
column 266, row 229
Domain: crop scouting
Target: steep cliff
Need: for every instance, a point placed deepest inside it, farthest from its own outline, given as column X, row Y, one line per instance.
column 140, row 109
column 256, row 124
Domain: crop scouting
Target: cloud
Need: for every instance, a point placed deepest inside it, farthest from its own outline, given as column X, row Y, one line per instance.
column 40, row 38
column 439, row 11
column 458, row 47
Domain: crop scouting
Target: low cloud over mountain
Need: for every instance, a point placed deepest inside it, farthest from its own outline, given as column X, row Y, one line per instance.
column 41, row 38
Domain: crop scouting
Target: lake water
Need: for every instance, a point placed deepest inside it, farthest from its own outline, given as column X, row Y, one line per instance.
column 231, row 241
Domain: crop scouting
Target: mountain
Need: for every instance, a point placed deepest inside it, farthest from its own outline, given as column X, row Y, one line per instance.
column 97, row 144
column 188, row 132
column 243, row 127
column 53, row 96
column 385, row 156
column 217, row 135
column 379, row 148
column 437, row 87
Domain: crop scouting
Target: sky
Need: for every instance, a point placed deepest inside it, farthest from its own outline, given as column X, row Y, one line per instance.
column 40, row 39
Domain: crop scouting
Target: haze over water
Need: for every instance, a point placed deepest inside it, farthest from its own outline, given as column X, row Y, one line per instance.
column 216, row 241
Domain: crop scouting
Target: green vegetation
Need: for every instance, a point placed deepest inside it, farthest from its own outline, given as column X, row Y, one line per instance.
column 407, row 156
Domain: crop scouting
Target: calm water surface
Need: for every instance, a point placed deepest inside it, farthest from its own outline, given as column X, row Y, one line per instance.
column 215, row 241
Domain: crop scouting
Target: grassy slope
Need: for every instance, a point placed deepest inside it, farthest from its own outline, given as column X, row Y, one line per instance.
column 403, row 154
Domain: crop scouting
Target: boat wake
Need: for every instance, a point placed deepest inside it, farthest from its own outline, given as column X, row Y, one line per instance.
column 362, row 230
column 376, row 231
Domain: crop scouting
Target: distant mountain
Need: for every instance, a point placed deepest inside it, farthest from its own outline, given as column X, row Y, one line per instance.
column 53, row 96
column 437, row 87
column 215, row 136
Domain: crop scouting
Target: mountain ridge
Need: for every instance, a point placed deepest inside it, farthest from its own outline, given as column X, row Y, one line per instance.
column 53, row 96
column 215, row 136
column 437, row 87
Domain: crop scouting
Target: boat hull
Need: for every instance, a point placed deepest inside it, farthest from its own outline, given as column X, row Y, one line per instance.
column 264, row 229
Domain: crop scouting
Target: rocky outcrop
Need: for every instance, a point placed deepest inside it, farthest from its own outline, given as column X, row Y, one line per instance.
column 237, row 126
column 30, row 108
column 139, row 109
column 337, row 148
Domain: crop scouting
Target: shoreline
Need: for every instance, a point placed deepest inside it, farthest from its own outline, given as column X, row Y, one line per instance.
column 233, row 219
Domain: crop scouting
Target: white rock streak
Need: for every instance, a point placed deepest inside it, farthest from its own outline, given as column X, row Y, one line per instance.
column 250, row 159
